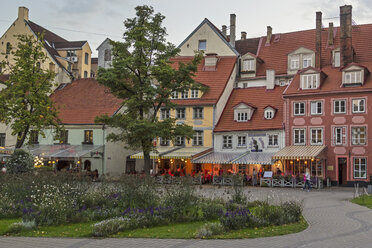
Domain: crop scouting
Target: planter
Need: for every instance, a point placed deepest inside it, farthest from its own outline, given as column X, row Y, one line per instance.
column 228, row 181
column 176, row 180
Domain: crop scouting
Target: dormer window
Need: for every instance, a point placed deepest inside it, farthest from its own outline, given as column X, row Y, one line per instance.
column 353, row 77
column 309, row 81
column 185, row 94
column 174, row 95
column 248, row 65
column 300, row 58
column 242, row 116
column 194, row 93
column 243, row 112
column 336, row 59
column 306, row 60
column 269, row 113
column 295, row 62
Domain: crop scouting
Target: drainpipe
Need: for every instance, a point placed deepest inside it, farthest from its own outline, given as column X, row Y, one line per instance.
column 104, row 150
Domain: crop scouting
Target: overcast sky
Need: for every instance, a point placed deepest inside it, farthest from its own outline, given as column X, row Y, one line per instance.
column 94, row 20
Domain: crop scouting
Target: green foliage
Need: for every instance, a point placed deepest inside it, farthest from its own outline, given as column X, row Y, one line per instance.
column 21, row 226
column 209, row 229
column 25, row 102
column 19, row 162
column 143, row 76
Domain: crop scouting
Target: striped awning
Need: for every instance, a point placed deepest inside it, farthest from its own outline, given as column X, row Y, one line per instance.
column 155, row 154
column 255, row 158
column 64, row 151
column 300, row 152
column 217, row 158
column 185, row 153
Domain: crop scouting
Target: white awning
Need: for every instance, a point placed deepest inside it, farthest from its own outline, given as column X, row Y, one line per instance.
column 155, row 154
column 64, row 151
column 217, row 158
column 255, row 158
column 185, row 153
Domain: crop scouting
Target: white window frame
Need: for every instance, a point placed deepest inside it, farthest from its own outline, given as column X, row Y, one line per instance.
column 340, row 135
column 303, row 130
column 273, row 140
column 227, row 141
column 356, row 138
column 164, row 141
column 358, row 173
column 240, row 140
column 353, row 77
column 248, row 65
column 339, row 106
column 180, row 141
column 198, row 113
column 269, row 114
column 164, row 114
column 242, row 116
column 297, row 108
column 316, row 108
column 294, row 62
column 181, row 113
column 309, row 81
column 174, row 95
column 316, row 141
column 194, row 93
column 185, row 94
column 336, row 59
column 359, row 108
column 308, row 59
column 199, row 45
column 197, row 139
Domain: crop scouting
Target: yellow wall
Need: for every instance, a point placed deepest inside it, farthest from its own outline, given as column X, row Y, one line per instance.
column 81, row 60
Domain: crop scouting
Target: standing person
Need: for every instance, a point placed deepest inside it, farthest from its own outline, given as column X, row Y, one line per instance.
column 307, row 180
column 254, row 179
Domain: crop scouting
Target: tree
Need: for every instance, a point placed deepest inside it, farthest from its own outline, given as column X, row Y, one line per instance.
column 143, row 76
column 25, row 102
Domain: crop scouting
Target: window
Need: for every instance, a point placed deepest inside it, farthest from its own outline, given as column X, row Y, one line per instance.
column 353, row 77
column 307, row 59
column 71, row 53
column 63, row 139
column 339, row 135
column 85, row 74
column 248, row 65
column 164, row 114
column 316, row 108
column 88, row 136
column 299, row 136
column 358, row 135
column 164, row 141
column 8, row 48
column 202, row 45
column 180, row 141
column 107, row 55
column 34, row 137
column 269, row 114
column 242, row 116
column 359, row 105
column 198, row 113
column 194, row 93
column 317, row 169
column 2, row 139
column 299, row 108
column 197, row 139
column 227, row 142
column 309, row 81
column 180, row 113
column 185, row 94
column 273, row 140
column 360, row 168
column 336, row 59
column 295, row 62
column 174, row 95
column 339, row 106
column 316, row 136
column 86, row 59
column 242, row 141
column 245, row 85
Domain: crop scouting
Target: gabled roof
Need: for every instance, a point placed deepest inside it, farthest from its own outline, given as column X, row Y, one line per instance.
column 247, row 46
column 216, row 81
column 80, row 101
column 69, row 44
column 215, row 29
column 103, row 42
column 256, row 96
column 246, row 104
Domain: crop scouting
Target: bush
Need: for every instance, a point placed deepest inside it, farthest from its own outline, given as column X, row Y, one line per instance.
column 211, row 209
column 238, row 196
column 21, row 226
column 239, row 219
column 292, row 211
column 19, row 162
column 209, row 230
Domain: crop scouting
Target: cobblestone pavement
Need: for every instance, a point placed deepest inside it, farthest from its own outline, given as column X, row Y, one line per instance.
column 333, row 222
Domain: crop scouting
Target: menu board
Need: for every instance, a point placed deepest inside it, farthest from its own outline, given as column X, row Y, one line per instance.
column 268, row 174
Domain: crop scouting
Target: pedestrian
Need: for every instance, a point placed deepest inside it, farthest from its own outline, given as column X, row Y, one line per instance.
column 307, row 180
column 254, row 179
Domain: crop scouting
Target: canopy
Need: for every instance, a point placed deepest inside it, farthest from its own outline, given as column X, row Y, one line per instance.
column 186, row 152
column 218, row 158
column 63, row 151
column 301, row 152
column 155, row 155
column 255, row 158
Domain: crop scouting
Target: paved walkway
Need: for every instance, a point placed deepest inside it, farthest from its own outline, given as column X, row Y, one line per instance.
column 333, row 222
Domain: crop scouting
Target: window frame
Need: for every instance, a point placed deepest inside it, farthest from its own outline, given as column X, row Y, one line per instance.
column 307, row 57
column 294, row 58
column 2, row 139
column 310, row 82
column 248, row 65
column 270, row 139
column 267, row 111
column 194, row 93
column 317, row 107
column 178, row 139
column 239, row 140
column 294, row 109
column 227, row 141
column 358, row 111
column 86, row 58
column 198, row 113
column 343, row 136
column 89, row 134
column 360, row 171
column 317, row 142
column 334, row 106
column 201, row 42
column 357, row 140
column 178, row 113
column 304, row 136
column 164, row 113
column 242, row 116
column 164, row 141
column 353, row 75
column 197, row 139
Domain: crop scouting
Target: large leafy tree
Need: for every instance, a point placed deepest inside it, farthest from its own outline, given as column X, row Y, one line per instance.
column 24, row 97
column 143, row 75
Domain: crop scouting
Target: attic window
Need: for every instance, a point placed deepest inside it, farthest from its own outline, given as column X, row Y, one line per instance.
column 269, row 114
column 309, row 81
column 336, row 59
column 307, row 60
column 353, row 77
column 202, row 45
column 248, row 65
column 295, row 62
column 243, row 112
column 242, row 116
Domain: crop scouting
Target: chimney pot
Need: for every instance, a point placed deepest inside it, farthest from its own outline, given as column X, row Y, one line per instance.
column 244, row 36
column 232, row 29
column 345, row 35
column 269, row 33
column 224, row 30
column 318, row 40
column 23, row 13
column 330, row 34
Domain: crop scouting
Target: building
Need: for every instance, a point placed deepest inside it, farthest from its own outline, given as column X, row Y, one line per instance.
column 105, row 54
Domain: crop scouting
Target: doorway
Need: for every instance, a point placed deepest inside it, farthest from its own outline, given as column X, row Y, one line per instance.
column 342, row 170
column 130, row 166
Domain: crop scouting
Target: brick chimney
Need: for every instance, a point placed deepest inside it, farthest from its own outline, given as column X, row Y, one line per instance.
column 244, row 36
column 346, row 48
column 232, row 29
column 318, row 40
column 224, row 30
column 330, row 34
column 23, row 13
column 269, row 33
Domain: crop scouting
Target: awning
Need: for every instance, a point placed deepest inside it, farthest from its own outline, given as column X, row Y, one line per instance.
column 155, row 155
column 255, row 158
column 185, row 153
column 301, row 152
column 63, row 151
column 217, row 158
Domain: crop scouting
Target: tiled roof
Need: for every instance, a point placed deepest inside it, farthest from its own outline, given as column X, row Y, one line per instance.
column 69, row 44
column 82, row 100
column 332, row 83
column 247, row 46
column 215, row 80
column 259, row 97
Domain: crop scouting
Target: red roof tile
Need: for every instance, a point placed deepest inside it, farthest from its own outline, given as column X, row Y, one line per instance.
column 82, row 100
column 258, row 97
column 215, row 80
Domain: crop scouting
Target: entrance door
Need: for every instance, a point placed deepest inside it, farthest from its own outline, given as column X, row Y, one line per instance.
column 130, row 165
column 342, row 165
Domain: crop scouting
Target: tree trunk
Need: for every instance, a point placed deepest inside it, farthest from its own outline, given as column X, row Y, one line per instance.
column 148, row 165
column 21, row 137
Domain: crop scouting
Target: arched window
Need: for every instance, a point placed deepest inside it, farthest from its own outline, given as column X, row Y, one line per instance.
column 86, row 58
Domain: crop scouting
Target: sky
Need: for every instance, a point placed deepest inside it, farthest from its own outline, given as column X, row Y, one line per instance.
column 95, row 20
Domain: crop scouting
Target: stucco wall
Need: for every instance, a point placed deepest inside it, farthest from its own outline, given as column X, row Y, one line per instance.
column 101, row 55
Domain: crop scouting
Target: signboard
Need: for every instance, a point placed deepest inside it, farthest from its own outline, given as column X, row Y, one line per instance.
column 330, row 167
column 268, row 174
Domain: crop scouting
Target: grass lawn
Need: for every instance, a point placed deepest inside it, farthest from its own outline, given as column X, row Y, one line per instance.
column 177, row 231
column 364, row 200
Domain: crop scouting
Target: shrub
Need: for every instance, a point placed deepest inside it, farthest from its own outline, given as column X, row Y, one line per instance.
column 238, row 195
column 21, row 226
column 239, row 219
column 19, row 162
column 269, row 214
column 292, row 211
column 211, row 209
column 209, row 230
